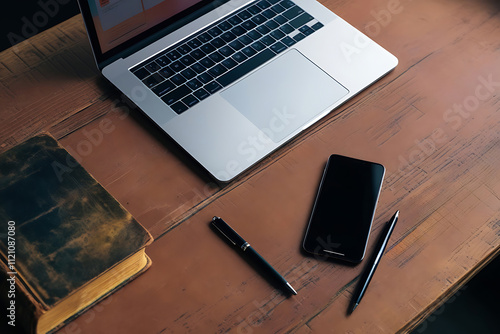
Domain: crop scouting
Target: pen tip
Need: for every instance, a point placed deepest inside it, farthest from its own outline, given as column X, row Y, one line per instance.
column 354, row 307
column 290, row 287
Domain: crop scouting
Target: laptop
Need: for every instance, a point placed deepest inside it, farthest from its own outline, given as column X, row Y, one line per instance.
column 231, row 81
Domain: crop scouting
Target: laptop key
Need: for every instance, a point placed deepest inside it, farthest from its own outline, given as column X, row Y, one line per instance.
column 201, row 94
column 205, row 77
column 287, row 28
column 263, row 29
column 184, row 49
column 163, row 88
column 235, row 20
column 178, row 79
column 244, row 15
column 248, row 25
column 217, row 42
column 278, row 47
column 176, row 94
column 224, row 26
column 317, row 25
column 268, row 40
column 281, row 19
column 287, row 3
column 228, row 36
column 226, row 51
column 179, row 107
column 258, row 46
column 259, row 19
column 239, row 57
column 163, row 61
column 236, row 45
column 173, row 55
column 301, row 20
column 238, row 31
column 177, row 66
column 216, row 57
column 166, row 72
column 205, row 37
column 207, row 48
column 245, row 67
column 254, row 34
column 278, row 34
column 278, row 8
column 153, row 67
column 187, row 60
column 306, row 30
column 214, row 32
column 198, row 68
column 229, row 63
column 194, row 43
column 245, row 40
column 254, row 9
column 293, row 12
column 213, row 87
column 269, row 13
column 288, row 41
column 271, row 24
column 207, row 62
column 248, row 51
column 300, row 36
column 188, row 73
column 141, row 73
column 217, row 70
column 263, row 4
column 190, row 101
column 197, row 54
column 194, row 84
column 153, row 80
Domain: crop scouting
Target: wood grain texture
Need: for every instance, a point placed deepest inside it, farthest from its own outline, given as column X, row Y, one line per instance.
column 434, row 122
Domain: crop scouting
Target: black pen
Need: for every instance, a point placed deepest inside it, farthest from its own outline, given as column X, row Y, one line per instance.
column 374, row 260
column 245, row 247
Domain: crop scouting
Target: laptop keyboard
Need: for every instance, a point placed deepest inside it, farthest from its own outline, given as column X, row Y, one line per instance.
column 215, row 57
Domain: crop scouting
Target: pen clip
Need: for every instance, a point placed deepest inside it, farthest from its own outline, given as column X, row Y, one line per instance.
column 228, row 232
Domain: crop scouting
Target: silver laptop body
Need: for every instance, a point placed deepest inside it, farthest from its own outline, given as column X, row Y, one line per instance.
column 324, row 63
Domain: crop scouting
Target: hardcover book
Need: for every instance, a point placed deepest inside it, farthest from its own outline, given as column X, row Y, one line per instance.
column 65, row 242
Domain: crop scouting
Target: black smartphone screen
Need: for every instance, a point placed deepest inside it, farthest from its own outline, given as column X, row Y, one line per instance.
column 342, row 215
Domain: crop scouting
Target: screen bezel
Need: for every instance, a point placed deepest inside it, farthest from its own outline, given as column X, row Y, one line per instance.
column 146, row 37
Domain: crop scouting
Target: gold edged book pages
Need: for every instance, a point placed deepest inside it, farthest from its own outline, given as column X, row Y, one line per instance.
column 65, row 242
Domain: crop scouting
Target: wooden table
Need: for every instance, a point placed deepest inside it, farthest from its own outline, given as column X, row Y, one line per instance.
column 434, row 122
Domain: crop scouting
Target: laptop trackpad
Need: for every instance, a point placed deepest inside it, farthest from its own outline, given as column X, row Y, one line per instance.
column 284, row 95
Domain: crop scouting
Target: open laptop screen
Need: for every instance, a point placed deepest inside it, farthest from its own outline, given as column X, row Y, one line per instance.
column 113, row 24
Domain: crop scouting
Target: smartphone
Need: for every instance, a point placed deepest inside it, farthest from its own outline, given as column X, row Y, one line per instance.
column 343, row 211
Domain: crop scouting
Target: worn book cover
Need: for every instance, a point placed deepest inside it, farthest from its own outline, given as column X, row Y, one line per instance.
column 64, row 240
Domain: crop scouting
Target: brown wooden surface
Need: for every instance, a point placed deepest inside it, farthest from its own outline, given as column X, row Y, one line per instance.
column 442, row 174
